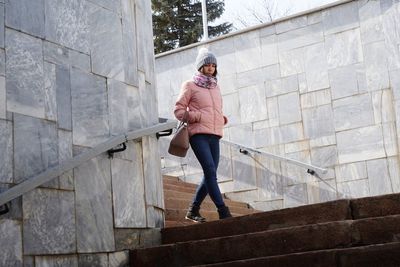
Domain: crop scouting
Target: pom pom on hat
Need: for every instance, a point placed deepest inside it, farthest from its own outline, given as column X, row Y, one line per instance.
column 205, row 57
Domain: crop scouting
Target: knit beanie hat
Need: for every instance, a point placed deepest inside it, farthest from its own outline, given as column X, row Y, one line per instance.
column 205, row 57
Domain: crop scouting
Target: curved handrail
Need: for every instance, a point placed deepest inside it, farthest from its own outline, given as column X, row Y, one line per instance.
column 68, row 165
column 311, row 169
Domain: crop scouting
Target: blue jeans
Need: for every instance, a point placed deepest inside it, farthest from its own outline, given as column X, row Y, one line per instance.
column 206, row 149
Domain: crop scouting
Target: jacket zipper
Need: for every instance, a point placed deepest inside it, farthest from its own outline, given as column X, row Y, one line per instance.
column 213, row 103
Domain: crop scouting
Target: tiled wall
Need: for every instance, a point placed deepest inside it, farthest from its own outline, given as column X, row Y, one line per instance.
column 321, row 87
column 73, row 74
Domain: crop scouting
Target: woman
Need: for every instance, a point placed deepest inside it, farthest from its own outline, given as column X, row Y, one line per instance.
column 201, row 97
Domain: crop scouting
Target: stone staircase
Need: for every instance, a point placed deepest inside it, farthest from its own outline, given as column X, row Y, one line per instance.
column 356, row 232
column 178, row 196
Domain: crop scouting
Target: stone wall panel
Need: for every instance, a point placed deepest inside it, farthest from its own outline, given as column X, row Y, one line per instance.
column 49, row 222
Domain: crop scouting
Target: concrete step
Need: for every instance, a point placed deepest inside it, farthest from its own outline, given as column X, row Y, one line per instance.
column 309, row 214
column 297, row 239
column 168, row 194
column 372, row 255
column 173, row 203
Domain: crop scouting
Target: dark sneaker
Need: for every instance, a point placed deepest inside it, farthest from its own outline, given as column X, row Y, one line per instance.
column 224, row 212
column 193, row 214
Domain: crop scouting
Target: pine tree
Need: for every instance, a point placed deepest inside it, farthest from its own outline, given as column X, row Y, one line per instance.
column 177, row 23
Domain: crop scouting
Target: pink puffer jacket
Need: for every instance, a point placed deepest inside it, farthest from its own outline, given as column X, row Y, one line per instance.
column 205, row 109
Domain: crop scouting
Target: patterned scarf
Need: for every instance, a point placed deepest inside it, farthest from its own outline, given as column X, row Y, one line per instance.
column 205, row 81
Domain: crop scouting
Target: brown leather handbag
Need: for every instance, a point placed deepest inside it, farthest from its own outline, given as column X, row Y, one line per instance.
column 179, row 144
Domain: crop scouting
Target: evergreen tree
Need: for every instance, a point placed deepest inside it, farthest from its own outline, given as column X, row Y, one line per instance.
column 177, row 23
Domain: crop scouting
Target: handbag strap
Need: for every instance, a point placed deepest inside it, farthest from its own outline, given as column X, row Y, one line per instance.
column 185, row 118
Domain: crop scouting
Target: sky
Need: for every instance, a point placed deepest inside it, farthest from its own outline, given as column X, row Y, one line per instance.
column 240, row 8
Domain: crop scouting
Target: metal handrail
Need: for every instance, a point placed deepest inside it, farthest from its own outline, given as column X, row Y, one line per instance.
column 311, row 169
column 68, row 165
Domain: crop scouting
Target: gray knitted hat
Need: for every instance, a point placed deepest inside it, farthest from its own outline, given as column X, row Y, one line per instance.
column 205, row 57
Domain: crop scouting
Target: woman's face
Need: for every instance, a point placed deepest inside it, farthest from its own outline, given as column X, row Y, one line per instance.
column 209, row 69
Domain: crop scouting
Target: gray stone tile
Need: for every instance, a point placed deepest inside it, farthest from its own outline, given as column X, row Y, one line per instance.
column 29, row 261
column 55, row 53
column 318, row 122
column 390, row 21
column 314, row 99
column 117, row 93
column 248, row 51
column 289, row 108
column 2, row 25
column 128, row 191
column 343, row 81
column 129, row 43
column 113, row 5
column 388, row 4
column 316, row 67
column 49, row 222
column 378, row 177
column 64, row 154
column 63, row 92
column 151, row 171
column 343, row 48
column 370, row 21
column 269, row 50
column 155, row 217
column 376, row 66
column 321, row 192
column 362, row 143
column 126, row 238
column 6, row 158
column 253, row 105
column 89, row 108
column 292, row 62
column 395, row 83
column 79, row 60
column 353, row 112
column 11, row 243
column 282, row 86
column 2, row 62
column 243, row 172
column 50, row 101
column 393, row 166
column 248, row 78
column 27, row 16
column 119, row 259
column 145, row 41
column 106, row 43
column 89, row 260
column 269, row 30
column 301, row 37
column 3, row 107
column 291, row 24
column 67, row 24
column 351, row 171
column 94, row 219
column 354, row 189
column 59, row 261
column 35, row 147
column 148, row 102
column 324, row 156
column 14, row 205
column 340, row 18
column 295, row 195
column 24, row 74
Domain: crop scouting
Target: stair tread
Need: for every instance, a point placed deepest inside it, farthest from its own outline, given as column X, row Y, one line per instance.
column 328, row 235
column 369, row 255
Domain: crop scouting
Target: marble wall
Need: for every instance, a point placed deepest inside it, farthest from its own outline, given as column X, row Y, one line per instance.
column 73, row 74
column 321, row 87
